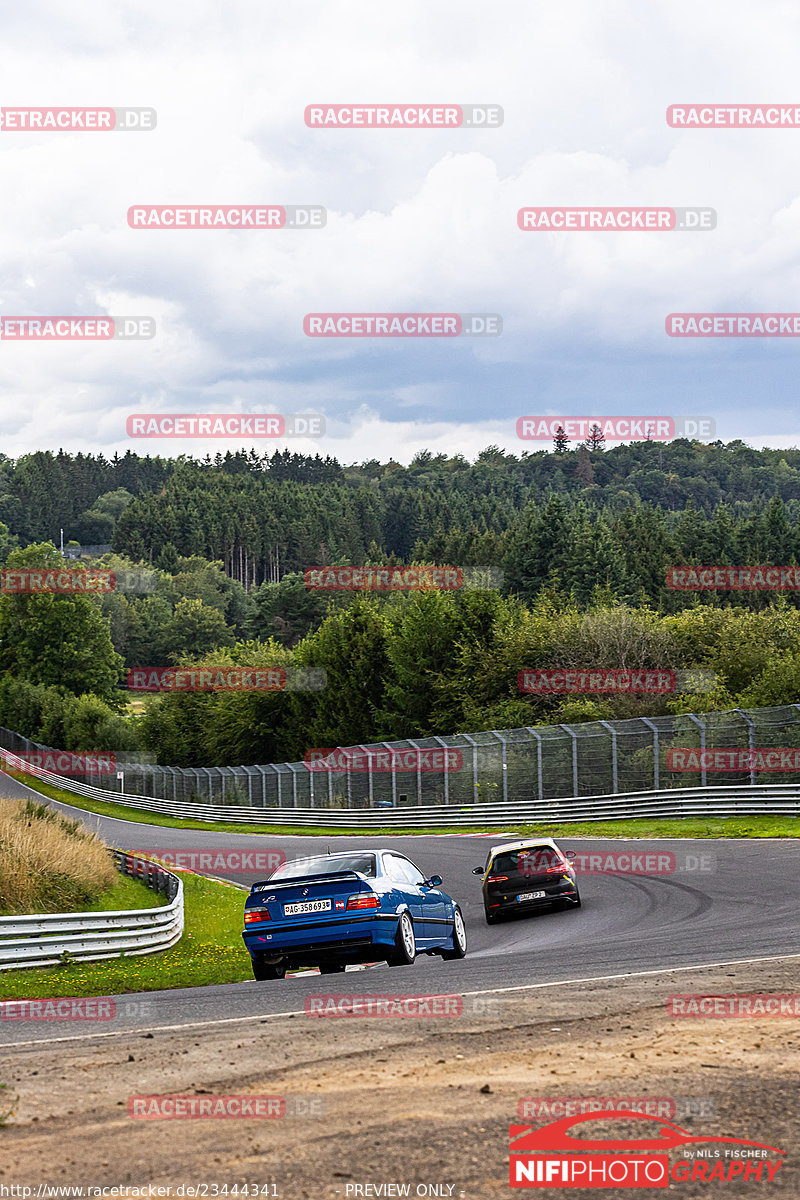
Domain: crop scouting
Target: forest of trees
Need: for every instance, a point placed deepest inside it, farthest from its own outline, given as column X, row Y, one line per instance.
column 583, row 539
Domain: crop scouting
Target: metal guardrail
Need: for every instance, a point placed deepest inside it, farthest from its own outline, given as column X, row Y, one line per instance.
column 47, row 939
column 542, row 763
column 767, row 799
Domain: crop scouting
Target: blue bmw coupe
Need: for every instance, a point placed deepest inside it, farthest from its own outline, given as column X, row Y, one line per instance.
column 354, row 907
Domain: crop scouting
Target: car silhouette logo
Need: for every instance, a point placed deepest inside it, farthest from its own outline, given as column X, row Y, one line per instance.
column 557, row 1135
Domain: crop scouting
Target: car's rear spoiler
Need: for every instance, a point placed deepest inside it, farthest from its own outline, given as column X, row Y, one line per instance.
column 266, row 886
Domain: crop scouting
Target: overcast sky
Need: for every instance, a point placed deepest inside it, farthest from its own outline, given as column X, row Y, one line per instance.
column 418, row 220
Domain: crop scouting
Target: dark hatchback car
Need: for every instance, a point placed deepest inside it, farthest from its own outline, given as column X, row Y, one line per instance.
column 522, row 876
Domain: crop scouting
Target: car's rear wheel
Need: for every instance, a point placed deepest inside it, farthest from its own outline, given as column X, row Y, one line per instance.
column 491, row 918
column 405, row 943
column 459, row 937
column 264, row 970
column 330, row 968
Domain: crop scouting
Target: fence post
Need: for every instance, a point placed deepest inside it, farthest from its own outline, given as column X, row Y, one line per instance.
column 393, row 758
column 701, row 725
column 656, row 763
column 574, row 737
column 614, row 775
column 444, row 746
column 474, row 745
column 751, row 741
column 538, row 737
column 370, row 775
column 504, row 768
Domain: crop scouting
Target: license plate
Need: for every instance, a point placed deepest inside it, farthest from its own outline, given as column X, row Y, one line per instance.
column 306, row 906
column 531, row 896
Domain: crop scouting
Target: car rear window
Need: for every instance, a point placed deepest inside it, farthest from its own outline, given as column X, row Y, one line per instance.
column 527, row 861
column 327, row 865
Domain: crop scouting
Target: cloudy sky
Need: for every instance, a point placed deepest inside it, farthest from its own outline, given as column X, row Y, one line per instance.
column 418, row 220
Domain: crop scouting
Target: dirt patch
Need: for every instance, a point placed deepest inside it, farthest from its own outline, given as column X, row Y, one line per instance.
column 423, row 1102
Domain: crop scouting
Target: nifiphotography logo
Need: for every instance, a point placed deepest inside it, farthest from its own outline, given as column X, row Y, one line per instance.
column 553, row 1156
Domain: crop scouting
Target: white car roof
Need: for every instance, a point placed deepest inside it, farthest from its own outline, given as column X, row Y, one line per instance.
column 544, row 841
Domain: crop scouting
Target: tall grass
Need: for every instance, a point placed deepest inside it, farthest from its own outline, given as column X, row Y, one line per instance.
column 47, row 862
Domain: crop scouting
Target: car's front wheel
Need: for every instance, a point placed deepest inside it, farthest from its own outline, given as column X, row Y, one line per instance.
column 264, row 970
column 459, row 948
column 405, row 943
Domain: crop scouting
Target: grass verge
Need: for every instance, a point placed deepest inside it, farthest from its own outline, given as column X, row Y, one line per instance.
column 644, row 827
column 210, row 951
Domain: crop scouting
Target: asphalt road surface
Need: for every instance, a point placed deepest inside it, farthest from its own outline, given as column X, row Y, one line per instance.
column 709, row 902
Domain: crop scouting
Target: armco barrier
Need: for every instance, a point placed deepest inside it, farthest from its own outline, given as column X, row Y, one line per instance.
column 542, row 763
column 743, row 800
column 46, row 939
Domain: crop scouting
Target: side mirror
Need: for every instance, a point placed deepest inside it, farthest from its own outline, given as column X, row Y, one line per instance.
column 434, row 881
column 570, row 853
column 477, row 870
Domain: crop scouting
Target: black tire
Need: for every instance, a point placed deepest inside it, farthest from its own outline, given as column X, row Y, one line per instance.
column 405, row 943
column 330, row 968
column 577, row 903
column 263, row 970
column 491, row 918
column 459, row 936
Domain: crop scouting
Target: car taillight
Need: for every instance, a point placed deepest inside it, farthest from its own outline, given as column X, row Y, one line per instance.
column 559, row 869
column 255, row 915
column 495, row 878
column 363, row 902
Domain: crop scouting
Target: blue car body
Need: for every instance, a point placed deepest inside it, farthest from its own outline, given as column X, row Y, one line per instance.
column 335, row 909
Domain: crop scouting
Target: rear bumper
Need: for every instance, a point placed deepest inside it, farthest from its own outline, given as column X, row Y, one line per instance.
column 563, row 890
column 351, row 939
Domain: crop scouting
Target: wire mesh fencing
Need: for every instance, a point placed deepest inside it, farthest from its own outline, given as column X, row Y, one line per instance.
column 596, row 758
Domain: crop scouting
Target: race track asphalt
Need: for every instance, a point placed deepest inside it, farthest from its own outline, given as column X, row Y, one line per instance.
column 719, row 901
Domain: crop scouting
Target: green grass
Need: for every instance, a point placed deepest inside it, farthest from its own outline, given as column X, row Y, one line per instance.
column 643, row 827
column 126, row 893
column 210, row 951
